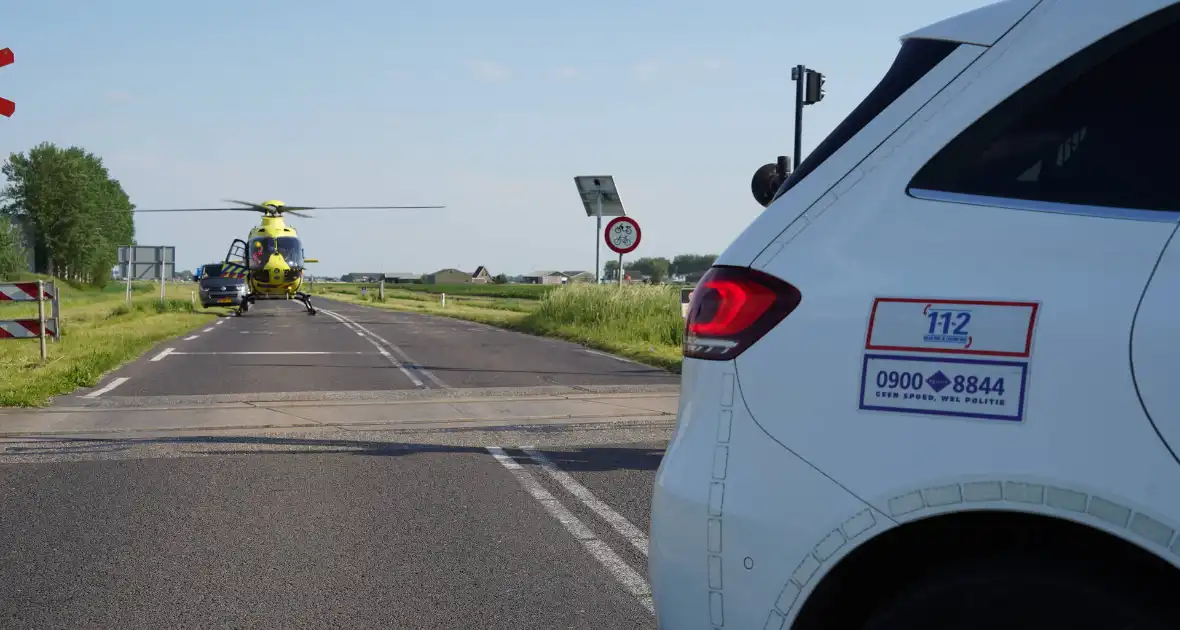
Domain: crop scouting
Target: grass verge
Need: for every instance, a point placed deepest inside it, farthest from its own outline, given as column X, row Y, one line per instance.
column 639, row 322
column 100, row 332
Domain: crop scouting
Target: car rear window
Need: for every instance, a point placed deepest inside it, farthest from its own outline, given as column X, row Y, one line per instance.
column 915, row 60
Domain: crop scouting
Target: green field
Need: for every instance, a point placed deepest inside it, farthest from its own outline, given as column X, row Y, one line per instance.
column 100, row 331
column 523, row 291
column 640, row 322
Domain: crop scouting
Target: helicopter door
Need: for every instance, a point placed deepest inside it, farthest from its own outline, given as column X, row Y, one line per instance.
column 237, row 252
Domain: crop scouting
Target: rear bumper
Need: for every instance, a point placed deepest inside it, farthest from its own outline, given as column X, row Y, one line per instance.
column 742, row 529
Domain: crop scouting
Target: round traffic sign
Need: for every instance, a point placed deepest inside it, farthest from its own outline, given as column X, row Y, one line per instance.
column 622, row 235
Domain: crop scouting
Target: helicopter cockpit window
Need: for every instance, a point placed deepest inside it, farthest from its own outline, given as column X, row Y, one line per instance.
column 260, row 250
column 291, row 250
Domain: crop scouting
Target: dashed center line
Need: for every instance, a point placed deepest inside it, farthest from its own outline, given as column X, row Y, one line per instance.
column 108, row 387
column 385, row 353
column 628, row 577
column 405, row 358
column 209, row 329
column 164, row 353
column 191, row 337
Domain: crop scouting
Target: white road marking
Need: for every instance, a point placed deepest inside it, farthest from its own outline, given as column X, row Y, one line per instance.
column 209, row 329
column 611, row 356
column 166, row 352
column 190, row 338
column 629, row 531
column 383, row 351
column 628, row 577
column 108, row 387
column 401, row 353
column 219, row 322
column 266, row 352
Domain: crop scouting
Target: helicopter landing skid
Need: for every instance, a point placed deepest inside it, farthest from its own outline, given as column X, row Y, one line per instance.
column 306, row 299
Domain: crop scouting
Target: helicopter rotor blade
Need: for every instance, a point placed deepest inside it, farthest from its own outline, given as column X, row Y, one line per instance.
column 289, row 208
column 298, row 214
column 192, row 210
column 249, row 204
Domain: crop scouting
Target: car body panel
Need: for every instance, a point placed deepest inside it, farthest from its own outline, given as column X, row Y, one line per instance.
column 1155, row 348
column 804, row 457
column 714, row 510
column 875, row 240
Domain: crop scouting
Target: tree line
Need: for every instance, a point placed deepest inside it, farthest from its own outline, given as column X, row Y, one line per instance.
column 658, row 269
column 62, row 206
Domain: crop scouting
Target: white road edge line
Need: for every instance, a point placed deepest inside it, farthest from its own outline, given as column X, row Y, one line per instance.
column 191, row 337
column 209, row 329
column 108, row 387
column 219, row 322
column 633, row 534
column 628, row 577
column 401, row 353
column 166, row 352
column 383, row 351
column 611, row 356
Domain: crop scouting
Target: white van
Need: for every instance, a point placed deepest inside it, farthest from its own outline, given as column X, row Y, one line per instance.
column 936, row 384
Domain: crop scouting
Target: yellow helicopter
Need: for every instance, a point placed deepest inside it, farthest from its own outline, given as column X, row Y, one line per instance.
column 271, row 259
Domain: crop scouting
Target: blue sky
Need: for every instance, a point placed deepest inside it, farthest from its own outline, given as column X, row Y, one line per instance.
column 489, row 108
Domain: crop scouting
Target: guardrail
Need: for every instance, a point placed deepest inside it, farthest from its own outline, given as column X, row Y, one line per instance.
column 41, row 328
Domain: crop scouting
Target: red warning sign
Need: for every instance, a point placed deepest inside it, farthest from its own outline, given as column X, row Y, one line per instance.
column 7, row 107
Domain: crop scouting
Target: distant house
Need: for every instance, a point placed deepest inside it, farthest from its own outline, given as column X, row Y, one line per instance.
column 403, row 278
column 481, row 275
column 447, row 276
column 545, row 277
column 579, row 276
column 375, row 276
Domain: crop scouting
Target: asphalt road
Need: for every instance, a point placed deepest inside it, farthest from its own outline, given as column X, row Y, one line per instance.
column 276, row 347
column 451, row 475
column 329, row 529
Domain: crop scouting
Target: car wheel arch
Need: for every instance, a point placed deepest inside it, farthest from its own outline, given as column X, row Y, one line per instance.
column 850, row 589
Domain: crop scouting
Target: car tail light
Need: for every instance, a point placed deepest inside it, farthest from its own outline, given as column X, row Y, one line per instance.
column 731, row 308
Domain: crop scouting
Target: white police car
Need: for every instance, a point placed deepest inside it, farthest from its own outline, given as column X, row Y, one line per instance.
column 936, row 384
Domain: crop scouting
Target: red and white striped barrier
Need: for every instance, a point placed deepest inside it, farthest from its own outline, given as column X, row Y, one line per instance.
column 7, row 107
column 24, row 292
column 26, row 329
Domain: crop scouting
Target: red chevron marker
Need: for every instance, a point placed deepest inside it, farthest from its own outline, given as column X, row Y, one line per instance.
column 7, row 107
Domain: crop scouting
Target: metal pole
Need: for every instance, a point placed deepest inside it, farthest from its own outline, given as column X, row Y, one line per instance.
column 799, row 75
column 620, row 271
column 130, row 271
column 598, row 240
column 41, row 317
column 162, row 255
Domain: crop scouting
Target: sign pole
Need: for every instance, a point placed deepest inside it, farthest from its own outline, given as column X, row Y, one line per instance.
column 597, row 241
column 620, row 271
column 130, row 270
column 163, row 253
